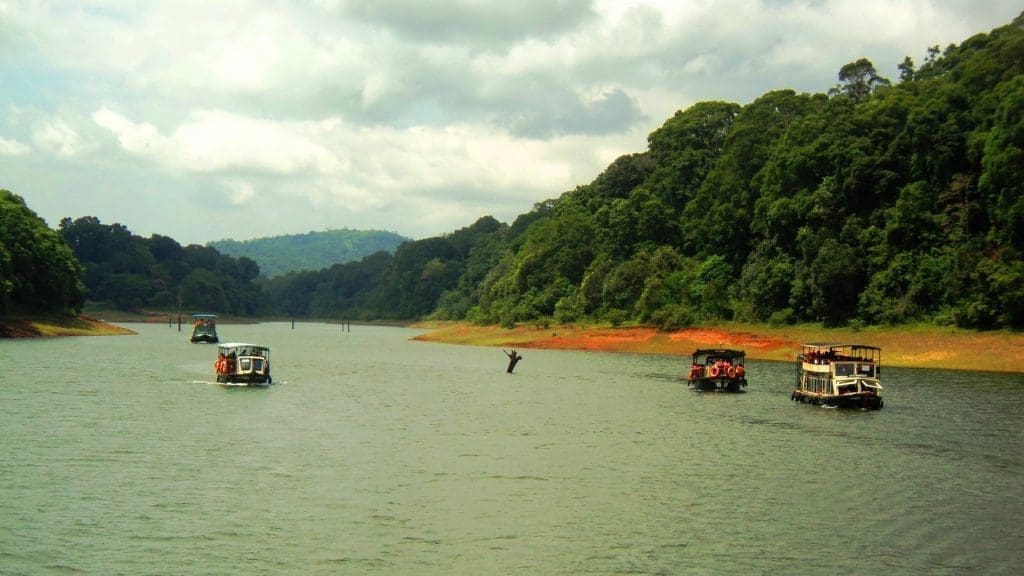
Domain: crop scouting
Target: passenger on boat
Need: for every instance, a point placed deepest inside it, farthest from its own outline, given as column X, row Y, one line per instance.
column 227, row 364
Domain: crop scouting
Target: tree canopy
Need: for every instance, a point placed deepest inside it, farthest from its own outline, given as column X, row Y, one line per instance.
column 279, row 255
column 38, row 271
column 876, row 202
column 872, row 203
column 129, row 272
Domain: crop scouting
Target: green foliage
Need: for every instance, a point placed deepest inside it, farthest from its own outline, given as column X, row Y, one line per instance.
column 38, row 271
column 765, row 282
column 1002, row 179
column 278, row 255
column 129, row 272
column 859, row 80
column 672, row 317
column 442, row 277
column 711, row 286
column 874, row 203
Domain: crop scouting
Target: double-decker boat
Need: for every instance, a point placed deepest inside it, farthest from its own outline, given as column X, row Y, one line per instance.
column 718, row 369
column 204, row 328
column 840, row 375
column 241, row 364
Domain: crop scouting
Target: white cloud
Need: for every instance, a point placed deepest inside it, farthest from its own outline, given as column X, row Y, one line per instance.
column 241, row 192
column 135, row 138
column 401, row 115
column 59, row 138
column 217, row 141
column 13, row 148
column 365, row 168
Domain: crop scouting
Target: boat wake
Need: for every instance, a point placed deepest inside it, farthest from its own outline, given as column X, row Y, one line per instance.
column 235, row 384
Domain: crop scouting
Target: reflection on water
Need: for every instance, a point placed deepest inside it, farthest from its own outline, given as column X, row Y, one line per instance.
column 375, row 454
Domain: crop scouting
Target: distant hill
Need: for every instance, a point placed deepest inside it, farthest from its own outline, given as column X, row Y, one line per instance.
column 279, row 255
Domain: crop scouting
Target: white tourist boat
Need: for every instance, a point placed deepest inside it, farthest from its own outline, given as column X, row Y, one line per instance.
column 840, row 375
column 241, row 364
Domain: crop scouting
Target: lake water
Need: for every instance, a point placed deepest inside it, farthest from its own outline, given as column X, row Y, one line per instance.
column 374, row 454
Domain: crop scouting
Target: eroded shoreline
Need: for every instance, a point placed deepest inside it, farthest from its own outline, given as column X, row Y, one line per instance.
column 915, row 347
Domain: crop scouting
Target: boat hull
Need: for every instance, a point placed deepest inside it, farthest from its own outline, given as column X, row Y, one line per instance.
column 719, row 384
column 205, row 339
column 254, row 381
column 859, row 401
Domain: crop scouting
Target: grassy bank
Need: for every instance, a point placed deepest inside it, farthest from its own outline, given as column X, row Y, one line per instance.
column 908, row 346
column 35, row 327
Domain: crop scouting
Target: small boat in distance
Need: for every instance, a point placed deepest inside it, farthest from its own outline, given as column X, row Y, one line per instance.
column 840, row 375
column 204, row 328
column 718, row 369
column 241, row 364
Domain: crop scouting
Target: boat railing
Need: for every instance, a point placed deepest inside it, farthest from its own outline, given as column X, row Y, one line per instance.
column 812, row 367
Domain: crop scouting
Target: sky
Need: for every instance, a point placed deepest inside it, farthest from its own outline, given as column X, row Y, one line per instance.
column 215, row 119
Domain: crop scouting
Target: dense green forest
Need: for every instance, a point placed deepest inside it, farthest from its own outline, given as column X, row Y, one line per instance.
column 38, row 271
column 876, row 202
column 129, row 272
column 403, row 286
column 311, row 251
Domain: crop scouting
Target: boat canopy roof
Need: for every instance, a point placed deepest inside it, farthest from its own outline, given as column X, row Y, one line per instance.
column 725, row 353
column 234, row 345
column 841, row 352
column 834, row 346
column 204, row 315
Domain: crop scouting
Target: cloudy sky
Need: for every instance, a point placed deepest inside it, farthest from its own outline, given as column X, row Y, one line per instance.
column 203, row 120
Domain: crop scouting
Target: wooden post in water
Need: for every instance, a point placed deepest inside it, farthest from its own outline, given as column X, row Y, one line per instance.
column 293, row 322
column 170, row 317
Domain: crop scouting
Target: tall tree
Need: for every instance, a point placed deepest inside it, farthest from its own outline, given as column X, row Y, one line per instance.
column 38, row 271
column 859, row 79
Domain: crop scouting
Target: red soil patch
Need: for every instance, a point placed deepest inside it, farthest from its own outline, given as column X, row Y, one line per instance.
column 723, row 339
column 610, row 340
column 652, row 341
column 933, row 347
column 635, row 340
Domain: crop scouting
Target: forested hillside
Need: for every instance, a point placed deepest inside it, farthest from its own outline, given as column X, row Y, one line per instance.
column 876, row 201
column 38, row 272
column 311, row 251
column 880, row 201
column 402, row 286
column 129, row 272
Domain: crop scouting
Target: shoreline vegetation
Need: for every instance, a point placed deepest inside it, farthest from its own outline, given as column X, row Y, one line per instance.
column 903, row 346
column 48, row 326
column 917, row 346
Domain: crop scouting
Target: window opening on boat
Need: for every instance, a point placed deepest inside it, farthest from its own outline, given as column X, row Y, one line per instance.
column 844, row 368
